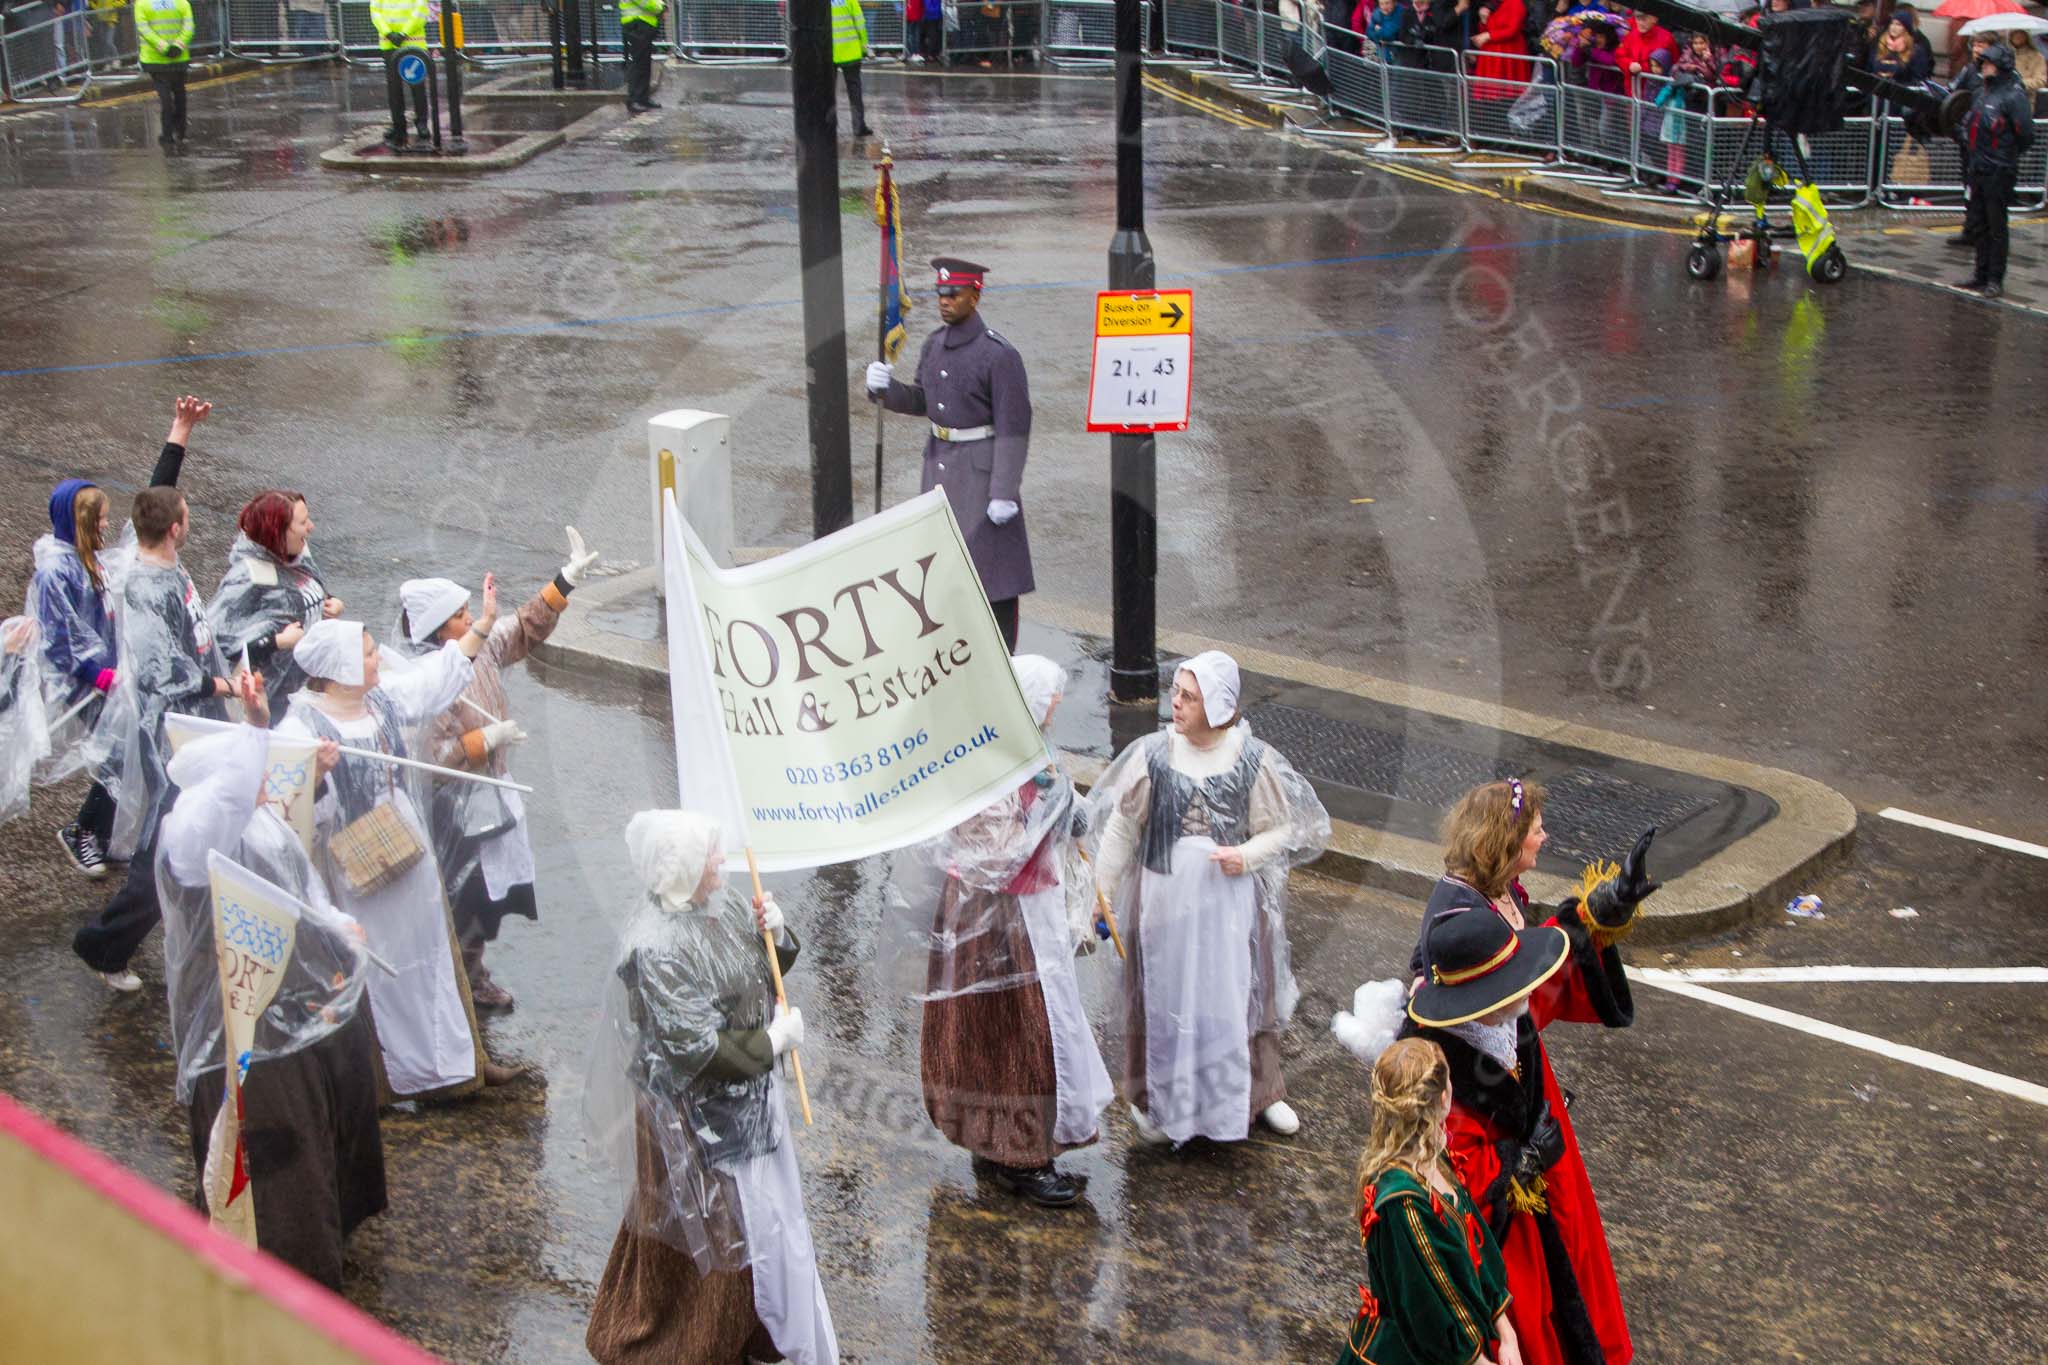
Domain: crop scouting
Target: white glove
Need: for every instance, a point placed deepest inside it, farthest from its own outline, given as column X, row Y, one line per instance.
column 500, row 733
column 1003, row 513
column 771, row 916
column 786, row 1029
column 878, row 376
column 580, row 559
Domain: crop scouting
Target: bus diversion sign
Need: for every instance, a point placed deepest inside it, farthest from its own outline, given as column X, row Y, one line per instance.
column 1144, row 349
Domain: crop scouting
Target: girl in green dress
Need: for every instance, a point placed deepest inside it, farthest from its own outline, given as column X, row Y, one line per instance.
column 1438, row 1293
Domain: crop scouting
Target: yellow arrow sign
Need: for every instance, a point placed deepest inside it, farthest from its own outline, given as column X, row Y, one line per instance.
column 1135, row 315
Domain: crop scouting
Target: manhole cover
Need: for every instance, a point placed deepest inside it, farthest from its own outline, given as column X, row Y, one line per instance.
column 1378, row 761
column 1593, row 814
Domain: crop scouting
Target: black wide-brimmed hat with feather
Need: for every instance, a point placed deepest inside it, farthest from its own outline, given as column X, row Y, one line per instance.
column 1475, row 963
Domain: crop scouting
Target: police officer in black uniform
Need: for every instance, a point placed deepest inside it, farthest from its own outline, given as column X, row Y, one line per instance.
column 970, row 386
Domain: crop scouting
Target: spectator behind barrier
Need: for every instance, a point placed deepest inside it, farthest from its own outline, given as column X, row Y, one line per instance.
column 1391, row 26
column 1902, row 54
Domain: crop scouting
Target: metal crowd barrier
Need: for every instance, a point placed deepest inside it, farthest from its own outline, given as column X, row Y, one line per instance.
column 998, row 28
column 40, row 63
column 1521, row 112
column 887, row 31
column 726, row 31
column 1191, row 28
column 1083, row 32
column 1928, row 176
column 281, row 30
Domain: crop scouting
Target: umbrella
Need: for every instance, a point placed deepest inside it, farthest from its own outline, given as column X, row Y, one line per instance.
column 1727, row 7
column 1976, row 9
column 2005, row 23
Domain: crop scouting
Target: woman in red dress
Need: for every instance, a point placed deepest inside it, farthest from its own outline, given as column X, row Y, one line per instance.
column 1503, row 53
column 1489, row 988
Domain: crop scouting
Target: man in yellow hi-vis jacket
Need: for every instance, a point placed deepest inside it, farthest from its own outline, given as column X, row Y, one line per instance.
column 639, row 25
column 401, row 26
column 163, row 38
column 849, row 45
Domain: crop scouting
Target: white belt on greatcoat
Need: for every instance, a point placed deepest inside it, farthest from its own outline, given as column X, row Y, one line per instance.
column 959, row 434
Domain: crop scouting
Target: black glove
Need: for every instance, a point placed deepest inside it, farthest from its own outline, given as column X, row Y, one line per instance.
column 176, row 54
column 1613, row 903
column 1544, row 1149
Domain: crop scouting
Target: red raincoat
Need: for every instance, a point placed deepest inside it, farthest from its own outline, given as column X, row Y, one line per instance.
column 1637, row 47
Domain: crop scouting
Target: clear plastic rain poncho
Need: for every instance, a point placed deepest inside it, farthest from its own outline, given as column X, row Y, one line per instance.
column 463, row 816
column 24, row 724
column 952, row 923
column 683, row 1101
column 423, row 1027
column 168, row 662
column 1210, row 949
column 77, row 643
column 670, row 1099
column 220, row 782
column 260, row 595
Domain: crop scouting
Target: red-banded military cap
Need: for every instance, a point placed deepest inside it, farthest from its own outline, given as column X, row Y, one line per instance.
column 954, row 273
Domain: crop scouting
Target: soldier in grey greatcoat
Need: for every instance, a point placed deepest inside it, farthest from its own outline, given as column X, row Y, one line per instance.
column 970, row 385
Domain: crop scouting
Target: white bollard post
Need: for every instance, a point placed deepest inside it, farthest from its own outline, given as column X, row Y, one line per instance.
column 699, row 450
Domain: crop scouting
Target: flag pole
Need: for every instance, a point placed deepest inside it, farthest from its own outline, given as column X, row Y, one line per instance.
column 436, row 769
column 796, row 1066
column 882, row 308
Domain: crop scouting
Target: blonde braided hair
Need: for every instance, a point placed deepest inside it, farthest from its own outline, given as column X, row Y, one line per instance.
column 1408, row 1085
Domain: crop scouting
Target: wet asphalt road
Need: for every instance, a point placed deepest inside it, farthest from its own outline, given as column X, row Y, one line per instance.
column 1818, row 519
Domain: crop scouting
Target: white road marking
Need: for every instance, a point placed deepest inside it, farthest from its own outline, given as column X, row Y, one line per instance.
column 1898, row 1052
column 1906, row 817
column 1768, row 976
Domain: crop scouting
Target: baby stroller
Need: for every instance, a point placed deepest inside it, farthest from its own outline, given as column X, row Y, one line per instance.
column 1810, row 226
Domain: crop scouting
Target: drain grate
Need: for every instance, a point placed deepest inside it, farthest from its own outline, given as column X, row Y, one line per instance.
column 1370, row 760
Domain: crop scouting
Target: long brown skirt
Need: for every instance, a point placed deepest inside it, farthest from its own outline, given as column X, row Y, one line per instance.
column 1269, row 1083
column 985, row 1056
column 654, row 1307
column 316, row 1155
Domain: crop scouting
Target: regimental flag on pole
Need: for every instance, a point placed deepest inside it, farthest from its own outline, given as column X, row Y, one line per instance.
column 287, row 777
column 254, row 927
column 846, row 698
column 895, row 299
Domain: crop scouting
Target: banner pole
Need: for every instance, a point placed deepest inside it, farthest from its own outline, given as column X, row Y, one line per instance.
column 1102, row 903
column 796, row 1066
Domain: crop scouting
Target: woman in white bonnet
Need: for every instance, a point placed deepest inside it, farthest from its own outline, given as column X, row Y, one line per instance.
column 480, row 831
column 713, row 1261
column 1009, row 1066
column 1198, row 826
column 426, row 1026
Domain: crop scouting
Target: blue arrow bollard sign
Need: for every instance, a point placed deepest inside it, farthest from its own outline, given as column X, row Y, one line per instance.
column 412, row 68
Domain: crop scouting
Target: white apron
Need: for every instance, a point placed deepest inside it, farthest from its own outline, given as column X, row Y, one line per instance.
column 788, row 1296
column 507, row 860
column 421, row 1025
column 1081, row 1082
column 1195, row 932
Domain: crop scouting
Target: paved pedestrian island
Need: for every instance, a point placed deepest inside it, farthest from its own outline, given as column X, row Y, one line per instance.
column 1389, row 760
